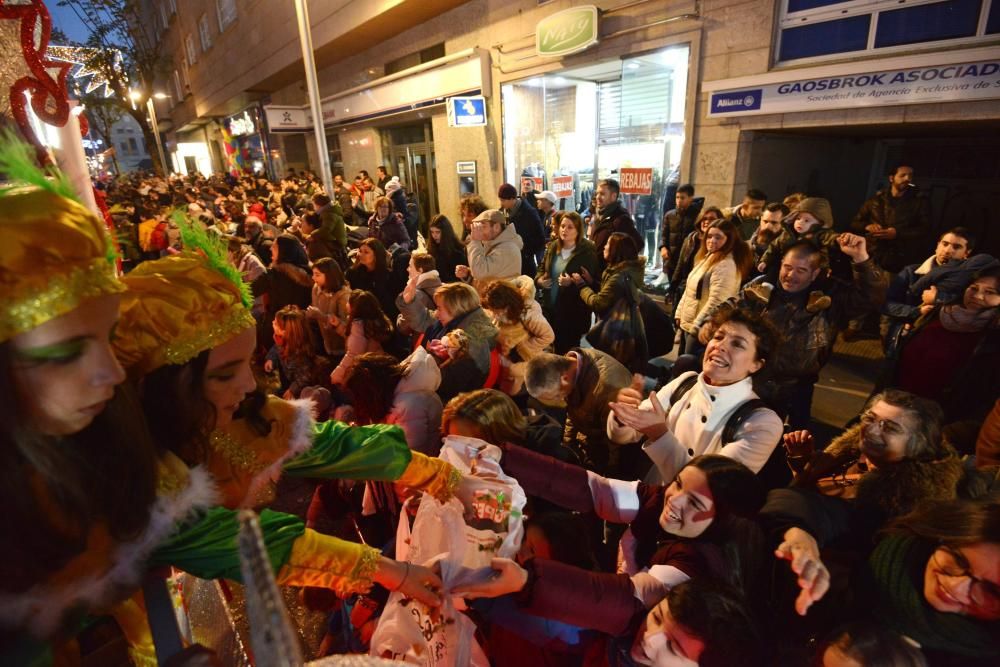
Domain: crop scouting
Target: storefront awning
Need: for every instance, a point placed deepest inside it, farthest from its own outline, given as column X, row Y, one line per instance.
column 417, row 87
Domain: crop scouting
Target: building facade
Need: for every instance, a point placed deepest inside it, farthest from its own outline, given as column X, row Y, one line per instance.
column 817, row 96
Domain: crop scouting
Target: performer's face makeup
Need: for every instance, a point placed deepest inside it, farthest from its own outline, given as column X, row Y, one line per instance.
column 228, row 378
column 688, row 506
column 64, row 370
column 663, row 642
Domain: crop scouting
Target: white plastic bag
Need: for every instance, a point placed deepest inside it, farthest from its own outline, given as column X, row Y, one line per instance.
column 493, row 503
column 409, row 631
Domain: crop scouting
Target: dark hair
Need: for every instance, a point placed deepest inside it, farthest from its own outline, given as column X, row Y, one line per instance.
column 621, row 248
column 382, row 167
column 718, row 615
column 965, row 233
column 321, row 199
column 734, row 246
column 381, row 257
column 291, row 251
column 313, row 220
column 504, row 299
column 55, row 490
column 372, row 383
column 756, row 195
column 366, row 308
column 766, row 335
column 568, row 538
column 809, row 249
column 449, row 244
column 896, row 166
column 777, row 207
column 714, row 210
column 956, row 523
column 687, row 189
column 736, row 490
column 334, row 274
column 612, row 185
column 869, row 643
column 573, row 217
column 179, row 416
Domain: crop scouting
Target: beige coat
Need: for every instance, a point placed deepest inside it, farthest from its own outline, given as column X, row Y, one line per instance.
column 719, row 282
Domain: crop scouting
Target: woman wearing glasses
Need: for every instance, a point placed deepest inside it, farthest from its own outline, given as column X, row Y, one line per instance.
column 935, row 578
column 874, row 472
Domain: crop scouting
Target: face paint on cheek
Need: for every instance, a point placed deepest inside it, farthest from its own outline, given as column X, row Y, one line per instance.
column 655, row 650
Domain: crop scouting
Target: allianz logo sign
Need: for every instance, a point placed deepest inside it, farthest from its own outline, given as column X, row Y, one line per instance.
column 737, row 100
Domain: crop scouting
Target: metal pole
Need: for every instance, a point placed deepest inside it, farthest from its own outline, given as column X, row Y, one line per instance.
column 151, row 108
column 305, row 39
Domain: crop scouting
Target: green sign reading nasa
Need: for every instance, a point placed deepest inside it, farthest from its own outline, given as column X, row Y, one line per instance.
column 566, row 32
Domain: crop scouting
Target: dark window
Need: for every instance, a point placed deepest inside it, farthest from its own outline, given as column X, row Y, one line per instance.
column 132, row 145
column 927, row 23
column 993, row 20
column 820, row 39
column 802, row 5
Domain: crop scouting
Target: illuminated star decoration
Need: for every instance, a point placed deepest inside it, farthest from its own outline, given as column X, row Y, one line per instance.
column 80, row 56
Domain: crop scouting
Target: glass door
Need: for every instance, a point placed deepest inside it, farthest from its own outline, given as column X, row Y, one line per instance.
column 414, row 164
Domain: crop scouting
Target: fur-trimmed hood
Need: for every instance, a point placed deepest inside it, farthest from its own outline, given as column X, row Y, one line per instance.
column 894, row 489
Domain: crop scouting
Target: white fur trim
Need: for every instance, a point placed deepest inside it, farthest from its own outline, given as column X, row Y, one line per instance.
column 299, row 440
column 40, row 609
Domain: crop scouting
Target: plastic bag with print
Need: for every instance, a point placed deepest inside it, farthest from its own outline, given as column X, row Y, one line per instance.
column 493, row 502
column 411, row 632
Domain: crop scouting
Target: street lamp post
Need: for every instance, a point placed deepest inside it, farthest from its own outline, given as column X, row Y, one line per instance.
column 305, row 39
column 151, row 110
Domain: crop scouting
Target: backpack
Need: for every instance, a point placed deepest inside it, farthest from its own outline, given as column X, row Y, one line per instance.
column 735, row 421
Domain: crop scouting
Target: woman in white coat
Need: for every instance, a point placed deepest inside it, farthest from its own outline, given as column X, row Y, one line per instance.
column 722, row 262
column 692, row 424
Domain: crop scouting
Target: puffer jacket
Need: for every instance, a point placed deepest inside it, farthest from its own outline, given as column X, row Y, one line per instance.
column 416, row 408
column 332, row 225
column 391, row 231
column 498, row 259
column 708, row 285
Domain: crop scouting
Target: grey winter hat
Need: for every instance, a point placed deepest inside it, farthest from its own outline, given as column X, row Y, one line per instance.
column 819, row 208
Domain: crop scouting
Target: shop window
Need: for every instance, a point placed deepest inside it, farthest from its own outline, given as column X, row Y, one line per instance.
column 226, row 10
column 189, row 50
column 336, row 155
column 821, row 29
column 205, row 32
column 133, row 147
column 571, row 130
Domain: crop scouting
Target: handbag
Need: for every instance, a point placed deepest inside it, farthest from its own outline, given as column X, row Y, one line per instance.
column 622, row 332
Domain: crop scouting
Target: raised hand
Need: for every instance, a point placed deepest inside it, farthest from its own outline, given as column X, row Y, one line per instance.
column 632, row 395
column 854, row 247
column 651, row 423
column 802, row 552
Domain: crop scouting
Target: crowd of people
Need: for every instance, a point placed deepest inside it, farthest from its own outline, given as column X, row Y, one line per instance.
column 680, row 510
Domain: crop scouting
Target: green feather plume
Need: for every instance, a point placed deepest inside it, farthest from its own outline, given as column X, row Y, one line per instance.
column 215, row 250
column 18, row 164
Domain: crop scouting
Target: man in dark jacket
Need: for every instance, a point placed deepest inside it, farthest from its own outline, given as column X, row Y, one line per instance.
column 587, row 380
column 677, row 224
column 528, row 225
column 611, row 217
column 895, row 221
column 746, row 216
column 809, row 318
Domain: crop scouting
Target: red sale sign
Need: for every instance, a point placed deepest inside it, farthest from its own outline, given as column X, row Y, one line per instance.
column 636, row 181
column 562, row 186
